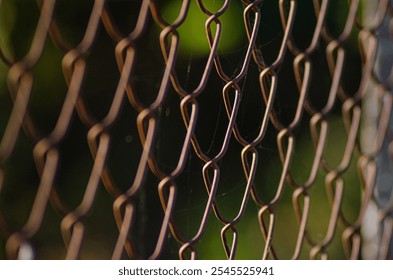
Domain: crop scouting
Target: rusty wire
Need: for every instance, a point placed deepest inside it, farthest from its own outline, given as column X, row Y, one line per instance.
column 316, row 120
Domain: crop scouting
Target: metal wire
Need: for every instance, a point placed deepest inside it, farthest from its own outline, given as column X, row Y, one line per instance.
column 313, row 113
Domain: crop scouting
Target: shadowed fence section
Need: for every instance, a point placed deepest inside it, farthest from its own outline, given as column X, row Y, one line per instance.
column 196, row 129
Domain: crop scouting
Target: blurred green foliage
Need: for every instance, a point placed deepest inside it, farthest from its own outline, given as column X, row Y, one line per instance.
column 193, row 32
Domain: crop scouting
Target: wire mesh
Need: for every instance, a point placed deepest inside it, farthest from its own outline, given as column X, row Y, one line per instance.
column 195, row 129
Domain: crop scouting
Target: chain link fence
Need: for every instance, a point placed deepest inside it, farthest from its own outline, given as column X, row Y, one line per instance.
column 196, row 129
